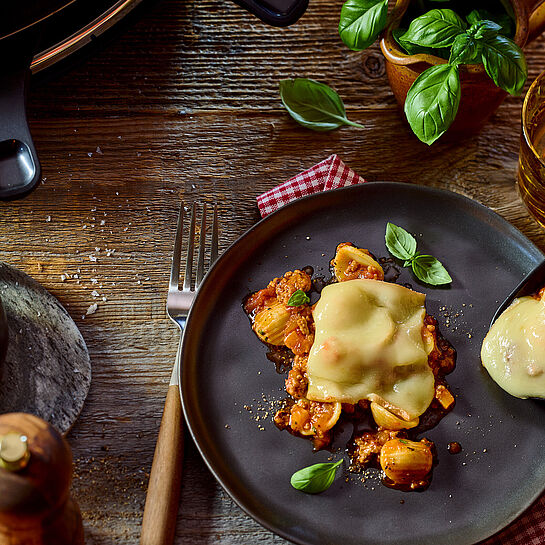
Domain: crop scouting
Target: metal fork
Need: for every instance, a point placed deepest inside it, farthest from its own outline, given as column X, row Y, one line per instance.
column 159, row 521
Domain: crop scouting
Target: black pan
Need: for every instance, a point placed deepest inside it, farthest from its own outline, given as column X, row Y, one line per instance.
column 30, row 37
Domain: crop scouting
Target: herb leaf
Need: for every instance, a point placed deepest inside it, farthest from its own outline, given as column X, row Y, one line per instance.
column 430, row 270
column 503, row 20
column 361, row 22
column 399, row 242
column 298, row 298
column 413, row 49
column 465, row 50
column 426, row 268
column 436, row 28
column 504, row 62
column 482, row 29
column 316, row 478
column 432, row 102
column 314, row 105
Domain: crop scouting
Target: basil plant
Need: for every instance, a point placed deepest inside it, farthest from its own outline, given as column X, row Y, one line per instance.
column 433, row 99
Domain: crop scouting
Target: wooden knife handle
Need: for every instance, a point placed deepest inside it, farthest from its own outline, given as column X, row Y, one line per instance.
column 159, row 522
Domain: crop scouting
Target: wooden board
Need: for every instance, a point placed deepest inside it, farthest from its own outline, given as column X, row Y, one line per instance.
column 185, row 104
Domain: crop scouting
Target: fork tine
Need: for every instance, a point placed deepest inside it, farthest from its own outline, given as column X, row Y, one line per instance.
column 214, row 249
column 190, row 246
column 175, row 269
column 202, row 248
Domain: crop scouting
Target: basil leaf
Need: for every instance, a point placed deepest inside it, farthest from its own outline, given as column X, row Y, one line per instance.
column 413, row 49
column 430, row 270
column 483, row 29
column 504, row 62
column 399, row 242
column 503, row 20
column 432, row 102
column 437, row 28
column 465, row 50
column 313, row 105
column 316, row 478
column 361, row 22
column 298, row 298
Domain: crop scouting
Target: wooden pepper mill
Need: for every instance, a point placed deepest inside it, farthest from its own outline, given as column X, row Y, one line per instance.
column 35, row 475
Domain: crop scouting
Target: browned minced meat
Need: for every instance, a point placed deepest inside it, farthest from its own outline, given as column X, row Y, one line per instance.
column 359, row 270
column 368, row 445
column 290, row 283
column 297, row 381
column 299, row 330
column 442, row 358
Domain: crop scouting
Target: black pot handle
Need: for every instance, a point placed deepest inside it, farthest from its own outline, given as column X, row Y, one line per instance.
column 276, row 12
column 19, row 166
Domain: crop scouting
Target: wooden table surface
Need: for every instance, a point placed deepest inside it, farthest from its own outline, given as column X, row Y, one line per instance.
column 184, row 104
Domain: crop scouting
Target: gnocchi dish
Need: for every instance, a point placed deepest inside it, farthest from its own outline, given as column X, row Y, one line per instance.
column 366, row 352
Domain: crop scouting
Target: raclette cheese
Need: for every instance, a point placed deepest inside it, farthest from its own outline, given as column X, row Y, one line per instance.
column 513, row 351
column 369, row 345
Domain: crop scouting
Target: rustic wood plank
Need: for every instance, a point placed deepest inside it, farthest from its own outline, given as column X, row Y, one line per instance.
column 185, row 104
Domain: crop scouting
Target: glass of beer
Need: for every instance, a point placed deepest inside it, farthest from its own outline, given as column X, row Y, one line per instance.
column 531, row 170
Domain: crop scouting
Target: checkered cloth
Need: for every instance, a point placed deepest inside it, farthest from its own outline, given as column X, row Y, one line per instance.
column 329, row 174
column 529, row 528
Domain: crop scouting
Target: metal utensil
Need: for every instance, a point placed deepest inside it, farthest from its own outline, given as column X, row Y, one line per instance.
column 532, row 283
column 159, row 521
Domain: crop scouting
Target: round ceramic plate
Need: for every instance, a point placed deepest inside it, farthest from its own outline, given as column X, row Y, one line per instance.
column 47, row 371
column 230, row 390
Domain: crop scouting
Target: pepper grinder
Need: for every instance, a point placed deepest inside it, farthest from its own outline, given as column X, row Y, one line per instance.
column 35, row 474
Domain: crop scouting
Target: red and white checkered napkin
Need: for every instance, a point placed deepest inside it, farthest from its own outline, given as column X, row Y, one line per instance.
column 529, row 528
column 329, row 174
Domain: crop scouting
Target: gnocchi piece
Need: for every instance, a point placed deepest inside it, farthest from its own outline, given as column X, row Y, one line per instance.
column 270, row 323
column 351, row 262
column 387, row 420
column 407, row 463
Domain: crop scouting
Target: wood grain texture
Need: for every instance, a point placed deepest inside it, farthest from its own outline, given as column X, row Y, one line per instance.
column 185, row 104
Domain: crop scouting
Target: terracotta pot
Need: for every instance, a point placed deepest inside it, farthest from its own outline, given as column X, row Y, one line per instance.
column 480, row 97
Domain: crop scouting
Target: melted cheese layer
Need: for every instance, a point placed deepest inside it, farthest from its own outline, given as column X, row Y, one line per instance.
column 513, row 351
column 368, row 345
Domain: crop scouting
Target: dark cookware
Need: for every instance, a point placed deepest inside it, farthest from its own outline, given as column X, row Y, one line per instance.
column 38, row 33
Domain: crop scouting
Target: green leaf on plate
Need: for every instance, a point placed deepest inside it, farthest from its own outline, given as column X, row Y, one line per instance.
column 430, row 270
column 399, row 242
column 316, row 478
column 298, row 298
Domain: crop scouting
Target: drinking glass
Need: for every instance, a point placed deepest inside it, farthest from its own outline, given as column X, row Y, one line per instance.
column 531, row 169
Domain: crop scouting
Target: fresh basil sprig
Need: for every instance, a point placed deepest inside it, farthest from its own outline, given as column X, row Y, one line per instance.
column 316, row 478
column 433, row 99
column 361, row 22
column 314, row 105
column 426, row 268
column 298, row 298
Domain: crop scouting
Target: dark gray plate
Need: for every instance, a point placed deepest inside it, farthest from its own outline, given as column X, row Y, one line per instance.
column 227, row 383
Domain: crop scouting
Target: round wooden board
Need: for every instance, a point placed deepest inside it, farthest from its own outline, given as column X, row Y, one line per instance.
column 47, row 371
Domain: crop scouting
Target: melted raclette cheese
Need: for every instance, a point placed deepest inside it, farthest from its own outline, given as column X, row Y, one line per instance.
column 368, row 345
column 513, row 351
